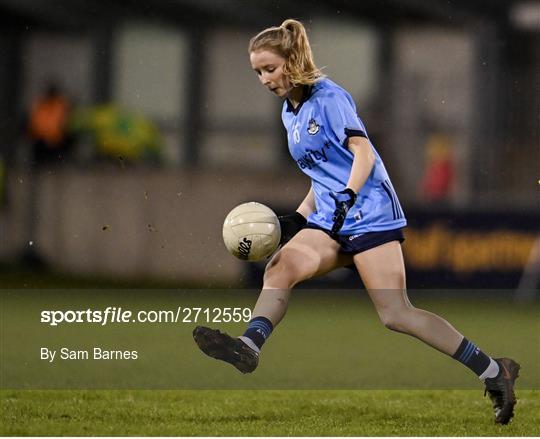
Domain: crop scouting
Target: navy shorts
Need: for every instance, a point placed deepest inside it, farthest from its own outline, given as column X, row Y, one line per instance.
column 353, row 244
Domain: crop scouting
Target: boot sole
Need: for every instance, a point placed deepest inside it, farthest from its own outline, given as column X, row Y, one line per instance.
column 222, row 347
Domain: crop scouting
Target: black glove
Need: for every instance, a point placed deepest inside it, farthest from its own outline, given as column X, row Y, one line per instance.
column 290, row 225
column 344, row 199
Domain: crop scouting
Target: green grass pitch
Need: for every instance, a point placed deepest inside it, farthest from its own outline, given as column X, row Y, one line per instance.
column 262, row 413
column 369, row 381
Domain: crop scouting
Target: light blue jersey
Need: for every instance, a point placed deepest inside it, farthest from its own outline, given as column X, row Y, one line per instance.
column 317, row 132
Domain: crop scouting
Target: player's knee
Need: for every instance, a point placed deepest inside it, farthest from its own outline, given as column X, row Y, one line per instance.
column 394, row 324
column 395, row 319
column 283, row 270
column 276, row 274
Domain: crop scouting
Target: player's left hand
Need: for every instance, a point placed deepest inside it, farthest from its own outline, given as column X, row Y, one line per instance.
column 290, row 225
column 344, row 200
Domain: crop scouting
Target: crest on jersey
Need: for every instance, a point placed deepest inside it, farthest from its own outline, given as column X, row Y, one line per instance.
column 313, row 128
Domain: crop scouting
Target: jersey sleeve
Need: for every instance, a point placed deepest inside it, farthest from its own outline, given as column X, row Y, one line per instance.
column 340, row 117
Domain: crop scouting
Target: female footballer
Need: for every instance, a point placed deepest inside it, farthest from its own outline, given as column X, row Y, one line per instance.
column 350, row 216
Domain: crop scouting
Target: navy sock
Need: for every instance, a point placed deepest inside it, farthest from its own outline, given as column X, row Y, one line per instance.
column 259, row 329
column 472, row 357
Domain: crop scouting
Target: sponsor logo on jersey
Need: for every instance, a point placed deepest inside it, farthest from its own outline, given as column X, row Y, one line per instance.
column 311, row 158
column 244, row 247
column 313, row 128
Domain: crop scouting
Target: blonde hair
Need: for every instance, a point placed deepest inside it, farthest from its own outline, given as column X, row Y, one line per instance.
column 290, row 41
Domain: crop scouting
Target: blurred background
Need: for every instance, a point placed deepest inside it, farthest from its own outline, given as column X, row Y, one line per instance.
column 129, row 130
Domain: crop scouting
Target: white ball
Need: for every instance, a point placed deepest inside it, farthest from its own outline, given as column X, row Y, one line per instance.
column 251, row 231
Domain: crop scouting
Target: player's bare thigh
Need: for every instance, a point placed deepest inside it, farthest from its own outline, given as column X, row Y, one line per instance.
column 382, row 267
column 383, row 272
column 308, row 254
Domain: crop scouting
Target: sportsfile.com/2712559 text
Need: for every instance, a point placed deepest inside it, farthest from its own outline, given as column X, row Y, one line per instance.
column 112, row 314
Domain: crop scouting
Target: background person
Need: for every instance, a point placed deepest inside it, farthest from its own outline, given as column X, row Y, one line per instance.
column 48, row 126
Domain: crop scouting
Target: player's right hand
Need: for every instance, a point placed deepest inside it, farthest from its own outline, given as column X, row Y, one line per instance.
column 290, row 224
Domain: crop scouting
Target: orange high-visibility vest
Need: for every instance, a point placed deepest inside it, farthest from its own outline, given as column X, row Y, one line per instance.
column 48, row 120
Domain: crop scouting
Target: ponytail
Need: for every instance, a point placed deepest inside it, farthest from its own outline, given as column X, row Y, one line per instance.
column 290, row 41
